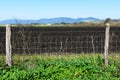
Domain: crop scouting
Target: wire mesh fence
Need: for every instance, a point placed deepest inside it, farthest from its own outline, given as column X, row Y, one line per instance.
column 2, row 40
column 60, row 40
column 114, row 40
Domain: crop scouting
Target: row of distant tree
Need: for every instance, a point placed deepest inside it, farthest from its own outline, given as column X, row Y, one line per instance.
column 114, row 22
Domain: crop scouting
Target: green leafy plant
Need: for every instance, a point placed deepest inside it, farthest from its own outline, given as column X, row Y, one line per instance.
column 64, row 67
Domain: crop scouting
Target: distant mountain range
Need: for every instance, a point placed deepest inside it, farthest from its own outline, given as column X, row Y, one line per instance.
column 48, row 21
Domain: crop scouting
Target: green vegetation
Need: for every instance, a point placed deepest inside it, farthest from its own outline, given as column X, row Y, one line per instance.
column 62, row 67
column 63, row 24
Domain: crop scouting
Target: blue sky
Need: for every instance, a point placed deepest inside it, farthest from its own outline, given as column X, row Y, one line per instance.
column 37, row 9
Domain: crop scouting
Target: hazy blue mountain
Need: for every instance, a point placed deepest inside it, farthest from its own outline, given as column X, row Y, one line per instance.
column 48, row 21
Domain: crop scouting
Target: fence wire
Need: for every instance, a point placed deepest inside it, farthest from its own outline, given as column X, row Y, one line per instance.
column 59, row 40
column 2, row 40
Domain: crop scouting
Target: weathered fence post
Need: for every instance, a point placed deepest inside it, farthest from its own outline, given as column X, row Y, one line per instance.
column 106, row 47
column 8, row 46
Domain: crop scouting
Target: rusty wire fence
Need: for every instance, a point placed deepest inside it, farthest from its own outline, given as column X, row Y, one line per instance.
column 60, row 40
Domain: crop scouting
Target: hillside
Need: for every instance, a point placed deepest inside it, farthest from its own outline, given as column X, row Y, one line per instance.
column 48, row 21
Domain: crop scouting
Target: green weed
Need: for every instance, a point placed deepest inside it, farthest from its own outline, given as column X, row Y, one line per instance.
column 63, row 67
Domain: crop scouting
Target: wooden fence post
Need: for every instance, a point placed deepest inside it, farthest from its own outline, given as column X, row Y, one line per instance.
column 106, row 47
column 8, row 46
